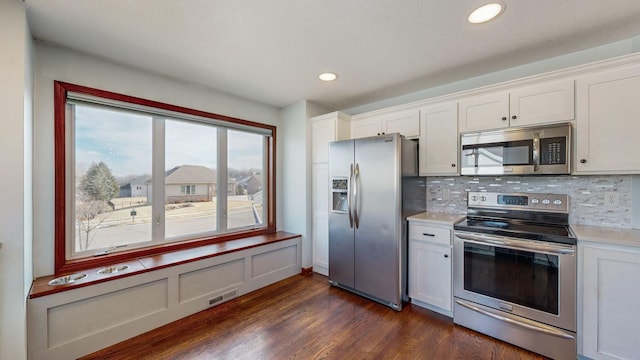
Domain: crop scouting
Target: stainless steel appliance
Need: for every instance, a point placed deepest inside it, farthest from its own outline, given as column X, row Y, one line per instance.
column 538, row 150
column 367, row 226
column 515, row 271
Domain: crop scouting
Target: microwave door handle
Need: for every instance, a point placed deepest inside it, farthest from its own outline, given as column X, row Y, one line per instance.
column 536, row 151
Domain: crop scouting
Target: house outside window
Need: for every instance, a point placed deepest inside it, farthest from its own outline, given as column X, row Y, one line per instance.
column 136, row 175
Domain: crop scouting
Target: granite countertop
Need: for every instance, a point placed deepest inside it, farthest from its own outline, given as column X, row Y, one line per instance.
column 607, row 235
column 438, row 217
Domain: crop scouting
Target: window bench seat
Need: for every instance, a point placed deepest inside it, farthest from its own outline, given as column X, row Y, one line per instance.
column 41, row 285
column 99, row 310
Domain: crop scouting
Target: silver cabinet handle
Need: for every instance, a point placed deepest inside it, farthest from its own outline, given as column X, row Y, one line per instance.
column 427, row 234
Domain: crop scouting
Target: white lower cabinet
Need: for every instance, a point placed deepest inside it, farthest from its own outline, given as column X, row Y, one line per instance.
column 430, row 267
column 610, row 301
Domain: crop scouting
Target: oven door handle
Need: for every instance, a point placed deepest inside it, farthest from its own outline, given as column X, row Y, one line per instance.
column 484, row 239
column 522, row 323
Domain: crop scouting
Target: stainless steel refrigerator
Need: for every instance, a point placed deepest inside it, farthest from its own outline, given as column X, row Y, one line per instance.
column 374, row 187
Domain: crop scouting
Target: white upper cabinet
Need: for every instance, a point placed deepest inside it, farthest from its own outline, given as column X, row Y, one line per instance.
column 608, row 122
column 536, row 104
column 366, row 127
column 484, row 112
column 324, row 129
column 542, row 103
column 439, row 140
column 405, row 122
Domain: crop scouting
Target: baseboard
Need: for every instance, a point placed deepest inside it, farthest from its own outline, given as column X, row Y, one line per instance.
column 307, row 271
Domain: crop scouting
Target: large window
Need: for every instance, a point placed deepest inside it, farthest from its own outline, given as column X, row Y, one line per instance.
column 136, row 177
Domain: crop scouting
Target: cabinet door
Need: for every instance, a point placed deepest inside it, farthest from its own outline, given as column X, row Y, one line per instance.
column 322, row 132
column 542, row 103
column 320, row 233
column 607, row 126
column 439, row 140
column 484, row 112
column 406, row 123
column 366, row 127
column 430, row 274
column 611, row 315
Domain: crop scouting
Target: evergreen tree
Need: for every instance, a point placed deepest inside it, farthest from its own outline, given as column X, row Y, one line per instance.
column 98, row 183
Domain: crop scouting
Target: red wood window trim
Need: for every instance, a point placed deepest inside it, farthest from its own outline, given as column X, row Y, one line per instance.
column 64, row 265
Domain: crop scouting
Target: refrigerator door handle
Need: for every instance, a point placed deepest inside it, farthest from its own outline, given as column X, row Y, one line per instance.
column 356, row 218
column 349, row 197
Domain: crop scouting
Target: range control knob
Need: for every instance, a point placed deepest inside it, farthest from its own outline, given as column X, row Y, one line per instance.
column 546, row 201
column 557, row 202
column 474, row 198
column 535, row 201
column 483, row 198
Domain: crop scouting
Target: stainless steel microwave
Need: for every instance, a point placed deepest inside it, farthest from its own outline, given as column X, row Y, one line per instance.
column 541, row 150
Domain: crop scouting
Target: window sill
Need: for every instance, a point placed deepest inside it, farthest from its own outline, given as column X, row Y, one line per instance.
column 141, row 265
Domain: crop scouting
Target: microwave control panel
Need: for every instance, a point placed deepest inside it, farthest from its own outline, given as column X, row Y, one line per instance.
column 553, row 151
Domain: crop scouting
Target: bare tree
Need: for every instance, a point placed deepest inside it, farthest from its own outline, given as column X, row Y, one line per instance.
column 90, row 214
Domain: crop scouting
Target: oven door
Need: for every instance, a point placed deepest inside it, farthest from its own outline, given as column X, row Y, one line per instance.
column 532, row 279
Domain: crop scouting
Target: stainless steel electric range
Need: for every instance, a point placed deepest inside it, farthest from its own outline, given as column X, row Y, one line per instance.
column 515, row 271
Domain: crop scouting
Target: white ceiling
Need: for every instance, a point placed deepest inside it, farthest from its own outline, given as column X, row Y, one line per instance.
column 273, row 50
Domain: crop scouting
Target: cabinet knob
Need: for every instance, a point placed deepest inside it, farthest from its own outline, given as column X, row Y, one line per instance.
column 514, row 117
column 446, row 255
column 504, row 118
column 378, row 133
column 453, row 165
column 583, row 161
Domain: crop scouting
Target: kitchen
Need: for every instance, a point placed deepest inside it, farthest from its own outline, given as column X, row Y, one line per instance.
column 32, row 257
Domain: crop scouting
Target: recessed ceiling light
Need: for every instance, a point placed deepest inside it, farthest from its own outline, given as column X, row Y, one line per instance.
column 327, row 76
column 485, row 13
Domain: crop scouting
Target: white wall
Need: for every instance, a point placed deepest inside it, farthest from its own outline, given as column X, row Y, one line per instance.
column 293, row 182
column 54, row 63
column 16, row 93
column 606, row 51
column 294, row 145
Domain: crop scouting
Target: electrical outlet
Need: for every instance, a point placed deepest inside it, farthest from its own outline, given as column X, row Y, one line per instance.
column 611, row 198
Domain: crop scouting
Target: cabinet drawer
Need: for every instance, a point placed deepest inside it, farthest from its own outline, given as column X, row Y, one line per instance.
column 430, row 234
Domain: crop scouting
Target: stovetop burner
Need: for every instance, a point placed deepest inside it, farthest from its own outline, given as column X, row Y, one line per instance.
column 542, row 217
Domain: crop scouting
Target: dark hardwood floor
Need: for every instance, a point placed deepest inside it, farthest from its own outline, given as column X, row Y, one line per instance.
column 303, row 317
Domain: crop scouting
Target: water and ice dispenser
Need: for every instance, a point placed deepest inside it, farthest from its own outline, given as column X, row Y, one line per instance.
column 339, row 193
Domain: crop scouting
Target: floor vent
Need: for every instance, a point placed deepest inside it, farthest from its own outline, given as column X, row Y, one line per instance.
column 220, row 298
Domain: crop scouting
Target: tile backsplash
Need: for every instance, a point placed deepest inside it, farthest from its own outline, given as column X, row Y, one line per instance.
column 586, row 194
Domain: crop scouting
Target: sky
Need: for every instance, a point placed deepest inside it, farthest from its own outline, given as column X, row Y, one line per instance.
column 122, row 140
